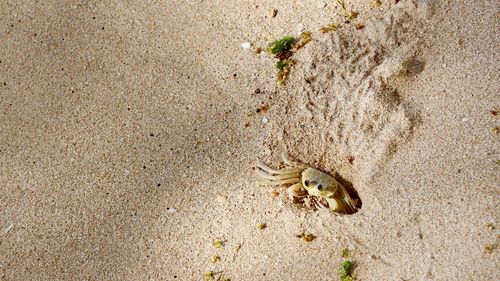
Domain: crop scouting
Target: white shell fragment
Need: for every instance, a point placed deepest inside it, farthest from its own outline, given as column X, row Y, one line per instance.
column 7, row 228
column 300, row 28
column 246, row 45
column 222, row 199
column 265, row 120
column 171, row 210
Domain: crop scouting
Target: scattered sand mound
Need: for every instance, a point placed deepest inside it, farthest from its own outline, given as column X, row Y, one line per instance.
column 341, row 112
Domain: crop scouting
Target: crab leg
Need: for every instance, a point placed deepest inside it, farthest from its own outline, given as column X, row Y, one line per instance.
column 286, row 160
column 319, row 206
column 277, row 177
column 335, row 206
column 264, row 167
column 281, row 182
column 296, row 190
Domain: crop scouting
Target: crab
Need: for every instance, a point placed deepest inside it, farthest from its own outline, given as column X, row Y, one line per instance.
column 309, row 185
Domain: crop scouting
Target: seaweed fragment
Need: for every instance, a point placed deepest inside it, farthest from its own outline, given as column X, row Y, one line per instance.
column 283, row 67
column 281, row 45
column 283, row 49
column 345, row 270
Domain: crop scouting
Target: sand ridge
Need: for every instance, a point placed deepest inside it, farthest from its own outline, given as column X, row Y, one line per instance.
column 341, row 114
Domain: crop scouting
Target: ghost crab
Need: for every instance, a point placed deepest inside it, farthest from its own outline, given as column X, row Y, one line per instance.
column 310, row 185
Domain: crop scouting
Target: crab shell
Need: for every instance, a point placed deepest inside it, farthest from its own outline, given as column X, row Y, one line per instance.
column 306, row 181
column 322, row 185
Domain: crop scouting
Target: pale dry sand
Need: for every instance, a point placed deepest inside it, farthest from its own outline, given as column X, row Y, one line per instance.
column 128, row 134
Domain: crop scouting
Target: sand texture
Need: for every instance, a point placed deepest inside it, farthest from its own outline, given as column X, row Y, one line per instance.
column 130, row 130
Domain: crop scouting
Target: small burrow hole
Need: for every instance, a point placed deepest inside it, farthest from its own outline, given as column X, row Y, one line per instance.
column 352, row 192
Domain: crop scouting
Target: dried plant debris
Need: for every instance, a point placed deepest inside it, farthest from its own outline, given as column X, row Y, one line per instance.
column 488, row 249
column 211, row 276
column 218, row 244
column 215, row 258
column 208, row 276
column 274, row 194
column 274, row 13
column 352, row 15
column 306, row 237
column 283, row 49
column 261, row 226
column 341, row 4
column 262, row 109
column 345, row 271
column 283, row 67
column 345, row 252
column 360, row 26
column 305, row 37
column 329, row 28
column 349, row 16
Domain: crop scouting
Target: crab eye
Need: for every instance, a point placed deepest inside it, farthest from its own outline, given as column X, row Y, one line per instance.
column 306, row 182
column 320, row 187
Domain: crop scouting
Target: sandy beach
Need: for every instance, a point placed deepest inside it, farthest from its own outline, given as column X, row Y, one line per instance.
column 130, row 133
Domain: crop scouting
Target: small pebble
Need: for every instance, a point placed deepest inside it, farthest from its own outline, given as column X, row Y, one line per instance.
column 246, row 45
column 265, row 120
column 465, row 119
column 171, row 210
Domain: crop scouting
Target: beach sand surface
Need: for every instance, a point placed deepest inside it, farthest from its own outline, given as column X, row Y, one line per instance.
column 130, row 130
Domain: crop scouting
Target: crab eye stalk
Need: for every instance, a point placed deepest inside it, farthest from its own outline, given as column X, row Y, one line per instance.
column 306, row 182
column 320, row 187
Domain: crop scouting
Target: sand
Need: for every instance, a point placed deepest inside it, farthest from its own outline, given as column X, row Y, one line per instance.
column 128, row 134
